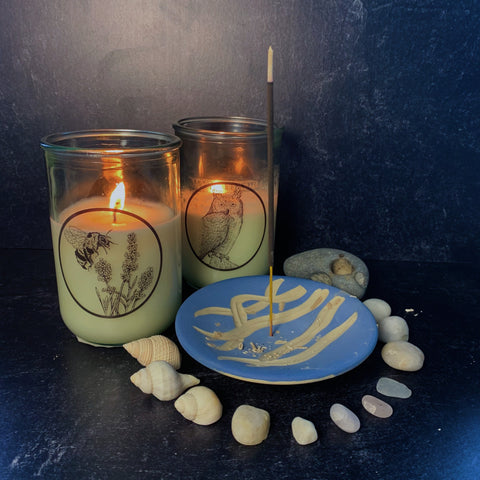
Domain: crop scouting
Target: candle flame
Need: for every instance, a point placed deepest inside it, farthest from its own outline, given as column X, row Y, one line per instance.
column 117, row 198
column 218, row 188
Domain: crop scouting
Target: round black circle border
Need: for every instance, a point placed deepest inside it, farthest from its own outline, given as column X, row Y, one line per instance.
column 264, row 224
column 113, row 210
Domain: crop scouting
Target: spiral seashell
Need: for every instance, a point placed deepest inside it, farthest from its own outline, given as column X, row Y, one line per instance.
column 151, row 349
column 162, row 380
column 200, row 405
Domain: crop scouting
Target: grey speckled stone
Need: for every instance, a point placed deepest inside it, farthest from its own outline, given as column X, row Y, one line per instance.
column 332, row 267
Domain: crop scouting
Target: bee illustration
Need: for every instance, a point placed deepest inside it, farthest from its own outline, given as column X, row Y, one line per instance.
column 87, row 245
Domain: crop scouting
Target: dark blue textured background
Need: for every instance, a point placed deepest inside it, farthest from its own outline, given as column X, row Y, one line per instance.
column 379, row 101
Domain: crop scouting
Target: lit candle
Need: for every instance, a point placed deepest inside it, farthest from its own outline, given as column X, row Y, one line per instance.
column 118, row 268
column 224, row 232
column 225, row 198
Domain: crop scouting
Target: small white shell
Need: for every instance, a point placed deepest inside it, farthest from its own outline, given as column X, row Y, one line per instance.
column 162, row 380
column 304, row 431
column 250, row 425
column 151, row 349
column 200, row 405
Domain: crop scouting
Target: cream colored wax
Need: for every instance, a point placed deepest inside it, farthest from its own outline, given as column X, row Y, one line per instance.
column 232, row 228
column 123, row 281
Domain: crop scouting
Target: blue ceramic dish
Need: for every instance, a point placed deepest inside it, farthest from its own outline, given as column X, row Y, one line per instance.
column 319, row 331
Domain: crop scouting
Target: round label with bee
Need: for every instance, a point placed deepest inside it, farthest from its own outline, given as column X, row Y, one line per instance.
column 225, row 224
column 110, row 260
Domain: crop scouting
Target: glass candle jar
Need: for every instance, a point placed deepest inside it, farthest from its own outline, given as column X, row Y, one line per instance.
column 115, row 221
column 224, row 188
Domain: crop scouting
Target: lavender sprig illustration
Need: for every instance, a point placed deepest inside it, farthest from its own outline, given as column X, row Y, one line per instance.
column 115, row 301
column 130, row 265
column 104, row 274
column 145, row 281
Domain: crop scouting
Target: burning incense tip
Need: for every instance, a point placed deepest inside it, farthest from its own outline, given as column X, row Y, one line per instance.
column 270, row 65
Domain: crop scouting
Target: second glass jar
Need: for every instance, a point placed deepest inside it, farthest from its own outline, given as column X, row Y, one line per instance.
column 224, row 188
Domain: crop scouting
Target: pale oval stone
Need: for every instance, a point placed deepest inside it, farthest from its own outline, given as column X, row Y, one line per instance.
column 391, row 388
column 380, row 308
column 250, row 425
column 376, row 407
column 392, row 329
column 403, row 356
column 344, row 418
column 304, row 431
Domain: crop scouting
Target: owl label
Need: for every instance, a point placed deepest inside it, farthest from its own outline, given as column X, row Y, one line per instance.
column 225, row 226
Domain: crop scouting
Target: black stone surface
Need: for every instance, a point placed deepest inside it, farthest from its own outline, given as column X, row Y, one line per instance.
column 68, row 410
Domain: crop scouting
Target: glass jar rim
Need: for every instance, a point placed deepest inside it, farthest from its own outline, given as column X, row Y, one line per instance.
column 110, row 142
column 222, row 128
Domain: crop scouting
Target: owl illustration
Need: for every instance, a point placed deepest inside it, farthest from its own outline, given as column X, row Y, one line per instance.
column 221, row 226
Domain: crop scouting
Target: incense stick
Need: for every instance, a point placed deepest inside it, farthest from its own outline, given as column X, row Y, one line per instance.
column 271, row 178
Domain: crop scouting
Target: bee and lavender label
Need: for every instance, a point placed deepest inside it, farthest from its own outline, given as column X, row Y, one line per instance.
column 115, row 278
column 224, row 233
column 118, row 274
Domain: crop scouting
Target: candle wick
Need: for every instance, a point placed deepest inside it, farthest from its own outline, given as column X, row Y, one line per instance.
column 117, row 205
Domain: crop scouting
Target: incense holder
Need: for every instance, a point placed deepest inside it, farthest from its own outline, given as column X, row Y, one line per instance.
column 318, row 331
column 332, row 267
